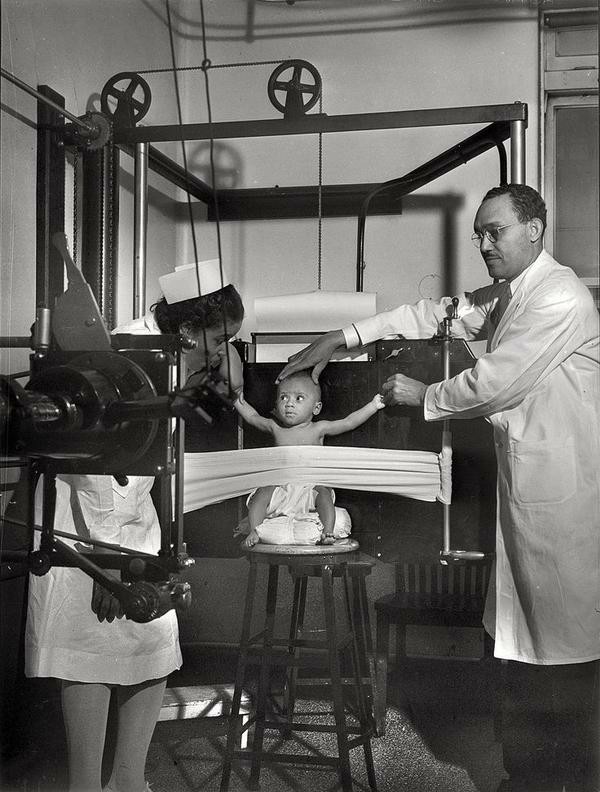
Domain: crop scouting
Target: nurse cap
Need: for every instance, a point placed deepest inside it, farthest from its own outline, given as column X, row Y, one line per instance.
column 183, row 283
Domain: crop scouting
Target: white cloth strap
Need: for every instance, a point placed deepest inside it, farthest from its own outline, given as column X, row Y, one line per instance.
column 218, row 475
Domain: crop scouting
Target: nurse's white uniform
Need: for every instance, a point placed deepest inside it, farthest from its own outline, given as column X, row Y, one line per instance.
column 538, row 385
column 64, row 638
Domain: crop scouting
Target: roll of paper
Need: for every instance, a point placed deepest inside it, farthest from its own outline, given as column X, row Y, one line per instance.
column 313, row 312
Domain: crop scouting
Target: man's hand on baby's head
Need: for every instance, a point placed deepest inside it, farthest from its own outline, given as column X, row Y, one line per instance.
column 315, row 357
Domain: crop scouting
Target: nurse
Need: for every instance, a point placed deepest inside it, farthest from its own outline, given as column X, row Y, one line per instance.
column 92, row 653
column 538, row 385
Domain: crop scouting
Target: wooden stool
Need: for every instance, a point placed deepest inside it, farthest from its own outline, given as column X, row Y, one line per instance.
column 329, row 563
column 207, row 701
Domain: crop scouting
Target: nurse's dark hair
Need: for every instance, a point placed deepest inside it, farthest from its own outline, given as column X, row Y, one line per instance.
column 223, row 307
column 526, row 201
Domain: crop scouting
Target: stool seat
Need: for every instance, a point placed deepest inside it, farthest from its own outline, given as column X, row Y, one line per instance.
column 340, row 546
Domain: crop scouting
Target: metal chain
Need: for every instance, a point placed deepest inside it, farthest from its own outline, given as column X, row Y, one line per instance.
column 101, row 236
column 76, row 162
column 203, row 67
column 109, row 306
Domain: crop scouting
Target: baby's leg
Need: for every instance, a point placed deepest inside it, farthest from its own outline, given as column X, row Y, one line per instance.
column 257, row 507
column 326, row 512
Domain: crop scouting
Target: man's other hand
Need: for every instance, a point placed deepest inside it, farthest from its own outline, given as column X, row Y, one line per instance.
column 399, row 389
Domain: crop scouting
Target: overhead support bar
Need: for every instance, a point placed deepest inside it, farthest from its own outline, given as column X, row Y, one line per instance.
column 282, row 203
column 487, row 138
column 344, row 200
column 315, row 124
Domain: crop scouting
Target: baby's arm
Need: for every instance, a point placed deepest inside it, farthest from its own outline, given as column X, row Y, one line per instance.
column 353, row 420
column 250, row 415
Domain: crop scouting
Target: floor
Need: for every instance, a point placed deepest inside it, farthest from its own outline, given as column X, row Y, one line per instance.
column 440, row 736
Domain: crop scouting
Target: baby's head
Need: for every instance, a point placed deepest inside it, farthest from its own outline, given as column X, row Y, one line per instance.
column 298, row 399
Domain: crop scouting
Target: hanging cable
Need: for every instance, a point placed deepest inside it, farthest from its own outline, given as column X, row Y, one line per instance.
column 184, row 157
column 320, row 206
column 213, row 176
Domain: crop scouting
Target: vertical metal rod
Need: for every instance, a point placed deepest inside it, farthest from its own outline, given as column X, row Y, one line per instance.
column 140, row 223
column 446, row 434
column 181, row 377
column 517, row 152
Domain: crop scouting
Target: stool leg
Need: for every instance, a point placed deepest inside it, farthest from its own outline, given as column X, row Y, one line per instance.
column 263, row 684
column 296, row 625
column 232, row 733
column 336, row 679
column 381, row 663
column 362, row 630
column 359, row 643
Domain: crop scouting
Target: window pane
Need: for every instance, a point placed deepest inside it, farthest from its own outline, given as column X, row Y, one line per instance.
column 576, row 217
column 577, row 41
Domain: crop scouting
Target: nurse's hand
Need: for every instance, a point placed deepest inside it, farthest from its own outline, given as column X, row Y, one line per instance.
column 230, row 368
column 315, row 357
column 105, row 605
column 399, row 389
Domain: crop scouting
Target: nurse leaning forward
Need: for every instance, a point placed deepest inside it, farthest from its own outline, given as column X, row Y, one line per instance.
column 538, row 385
column 94, row 654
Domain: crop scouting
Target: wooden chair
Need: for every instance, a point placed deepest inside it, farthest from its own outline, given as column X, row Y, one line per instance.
column 427, row 594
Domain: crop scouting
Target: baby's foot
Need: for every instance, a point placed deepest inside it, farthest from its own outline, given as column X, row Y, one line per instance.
column 252, row 539
column 327, row 539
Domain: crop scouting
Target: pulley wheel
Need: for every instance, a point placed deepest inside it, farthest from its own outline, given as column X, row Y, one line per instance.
column 132, row 94
column 297, row 79
column 102, row 131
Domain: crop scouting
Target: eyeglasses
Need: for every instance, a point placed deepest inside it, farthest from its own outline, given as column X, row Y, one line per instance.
column 491, row 234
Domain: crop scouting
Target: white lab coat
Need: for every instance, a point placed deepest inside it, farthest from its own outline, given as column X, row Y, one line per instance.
column 539, row 387
column 63, row 637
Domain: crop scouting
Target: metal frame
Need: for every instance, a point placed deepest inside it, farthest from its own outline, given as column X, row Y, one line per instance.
column 505, row 122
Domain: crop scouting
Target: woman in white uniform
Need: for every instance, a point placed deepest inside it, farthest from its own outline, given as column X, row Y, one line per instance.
column 538, row 385
column 93, row 653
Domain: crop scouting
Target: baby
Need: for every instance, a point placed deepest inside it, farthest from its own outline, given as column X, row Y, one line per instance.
column 305, row 512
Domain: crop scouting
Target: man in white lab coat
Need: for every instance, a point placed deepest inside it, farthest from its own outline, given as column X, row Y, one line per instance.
column 538, row 385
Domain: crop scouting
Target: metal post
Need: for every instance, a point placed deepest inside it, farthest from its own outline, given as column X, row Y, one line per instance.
column 50, row 199
column 446, row 433
column 140, row 222
column 517, row 152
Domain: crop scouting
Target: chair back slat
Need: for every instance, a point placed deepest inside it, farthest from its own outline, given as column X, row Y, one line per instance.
column 465, row 580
